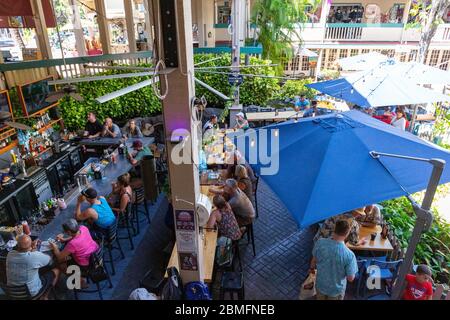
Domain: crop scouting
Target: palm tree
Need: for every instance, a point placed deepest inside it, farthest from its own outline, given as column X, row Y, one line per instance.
column 278, row 23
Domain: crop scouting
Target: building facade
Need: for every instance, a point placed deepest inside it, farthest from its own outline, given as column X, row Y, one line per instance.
column 337, row 30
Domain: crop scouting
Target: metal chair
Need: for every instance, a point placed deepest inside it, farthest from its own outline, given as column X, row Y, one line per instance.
column 125, row 223
column 232, row 282
column 255, row 193
column 388, row 270
column 22, row 292
column 250, row 236
column 96, row 264
column 360, row 276
column 110, row 239
column 139, row 199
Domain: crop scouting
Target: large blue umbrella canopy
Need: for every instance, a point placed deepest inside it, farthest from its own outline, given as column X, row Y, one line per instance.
column 325, row 167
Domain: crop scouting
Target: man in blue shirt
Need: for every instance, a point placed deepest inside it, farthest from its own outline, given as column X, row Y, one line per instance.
column 302, row 103
column 335, row 264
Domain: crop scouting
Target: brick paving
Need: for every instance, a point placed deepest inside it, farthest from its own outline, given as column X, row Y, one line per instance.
column 283, row 252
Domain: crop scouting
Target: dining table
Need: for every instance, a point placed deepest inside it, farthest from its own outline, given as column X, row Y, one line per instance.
column 379, row 244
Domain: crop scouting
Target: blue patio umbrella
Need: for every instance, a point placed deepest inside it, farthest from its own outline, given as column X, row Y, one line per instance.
column 325, row 167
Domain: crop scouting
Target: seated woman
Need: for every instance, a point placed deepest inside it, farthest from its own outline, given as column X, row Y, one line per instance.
column 99, row 213
column 244, row 182
column 372, row 216
column 79, row 246
column 123, row 193
column 224, row 218
column 132, row 131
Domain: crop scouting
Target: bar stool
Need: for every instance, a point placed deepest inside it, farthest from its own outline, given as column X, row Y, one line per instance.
column 139, row 199
column 110, row 239
column 255, row 195
column 250, row 236
column 231, row 283
column 126, row 223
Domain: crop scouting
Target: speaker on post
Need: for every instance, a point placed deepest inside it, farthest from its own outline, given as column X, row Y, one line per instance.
column 149, row 179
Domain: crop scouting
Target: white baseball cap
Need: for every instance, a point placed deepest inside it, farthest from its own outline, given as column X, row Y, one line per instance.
column 240, row 114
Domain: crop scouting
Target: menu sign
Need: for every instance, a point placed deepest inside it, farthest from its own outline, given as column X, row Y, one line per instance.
column 185, row 220
column 186, row 239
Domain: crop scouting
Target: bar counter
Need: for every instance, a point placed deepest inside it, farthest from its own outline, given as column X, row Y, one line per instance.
column 103, row 187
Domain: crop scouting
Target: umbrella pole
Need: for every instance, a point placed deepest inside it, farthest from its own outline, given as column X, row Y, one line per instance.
column 413, row 118
column 423, row 223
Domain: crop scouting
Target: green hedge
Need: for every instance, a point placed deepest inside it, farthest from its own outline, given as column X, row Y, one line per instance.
column 433, row 248
column 143, row 102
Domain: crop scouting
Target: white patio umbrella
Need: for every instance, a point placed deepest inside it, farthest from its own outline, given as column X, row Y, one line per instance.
column 419, row 73
column 378, row 87
column 363, row 61
column 306, row 52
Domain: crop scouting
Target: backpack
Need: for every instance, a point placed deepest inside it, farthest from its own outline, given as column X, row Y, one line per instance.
column 173, row 289
column 197, row 290
column 224, row 251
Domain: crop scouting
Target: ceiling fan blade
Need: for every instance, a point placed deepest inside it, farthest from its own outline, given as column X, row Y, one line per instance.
column 18, row 125
column 124, row 91
column 5, row 115
column 54, row 97
column 76, row 96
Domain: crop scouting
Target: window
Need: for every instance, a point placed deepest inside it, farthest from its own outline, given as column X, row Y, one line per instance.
column 346, row 13
column 305, row 63
column 396, row 13
column 389, row 53
column 354, row 52
column 445, row 60
column 412, row 55
column 223, row 12
column 332, row 57
column 402, row 57
column 343, row 53
column 322, row 65
column 295, row 63
column 434, row 56
column 286, row 66
column 365, row 51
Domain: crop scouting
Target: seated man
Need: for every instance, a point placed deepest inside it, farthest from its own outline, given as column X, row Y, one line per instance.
column 23, row 264
column 139, row 152
column 79, row 245
column 210, row 124
column 110, row 129
column 99, row 214
column 302, row 103
column 351, row 217
column 236, row 159
column 372, row 216
column 240, row 204
column 93, row 127
column 311, row 112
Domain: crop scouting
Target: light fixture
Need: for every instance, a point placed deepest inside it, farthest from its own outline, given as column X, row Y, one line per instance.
column 252, row 143
column 121, row 92
column 275, row 133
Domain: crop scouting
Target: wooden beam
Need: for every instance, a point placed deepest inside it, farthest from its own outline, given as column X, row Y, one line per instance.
column 78, row 29
column 149, row 24
column 41, row 29
column 103, row 26
column 129, row 19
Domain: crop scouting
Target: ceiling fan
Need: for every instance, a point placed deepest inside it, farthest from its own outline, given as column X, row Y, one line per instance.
column 68, row 90
column 5, row 118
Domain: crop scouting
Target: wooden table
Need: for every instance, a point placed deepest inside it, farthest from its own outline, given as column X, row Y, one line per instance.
column 273, row 116
column 378, row 244
column 209, row 252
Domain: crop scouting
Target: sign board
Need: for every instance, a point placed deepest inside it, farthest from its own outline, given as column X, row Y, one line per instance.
column 235, row 79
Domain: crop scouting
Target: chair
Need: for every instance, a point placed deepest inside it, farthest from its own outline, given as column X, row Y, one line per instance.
column 250, row 236
column 96, row 264
column 255, row 193
column 110, row 239
column 22, row 292
column 359, row 277
column 125, row 222
column 231, row 283
column 388, row 270
column 139, row 199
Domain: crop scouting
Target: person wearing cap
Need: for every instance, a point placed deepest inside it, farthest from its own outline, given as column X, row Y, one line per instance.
column 99, row 213
column 351, row 217
column 24, row 265
column 79, row 246
column 210, row 124
column 241, row 122
column 139, row 152
column 419, row 286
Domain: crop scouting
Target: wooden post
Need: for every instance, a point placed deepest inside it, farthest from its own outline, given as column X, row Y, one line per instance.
column 129, row 19
column 41, row 29
column 175, row 48
column 103, row 26
column 78, row 29
column 148, row 24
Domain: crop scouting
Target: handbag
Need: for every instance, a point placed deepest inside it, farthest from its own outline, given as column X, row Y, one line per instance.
column 224, row 251
column 308, row 288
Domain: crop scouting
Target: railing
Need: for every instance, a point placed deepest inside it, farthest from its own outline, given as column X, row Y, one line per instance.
column 17, row 73
column 343, row 33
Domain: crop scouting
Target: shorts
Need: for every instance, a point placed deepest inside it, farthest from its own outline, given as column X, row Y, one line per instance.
column 320, row 296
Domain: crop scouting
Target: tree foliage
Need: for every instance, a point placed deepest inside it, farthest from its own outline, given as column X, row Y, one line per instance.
column 278, row 24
